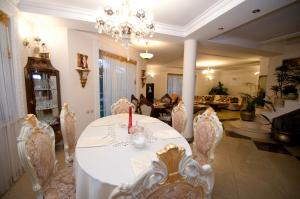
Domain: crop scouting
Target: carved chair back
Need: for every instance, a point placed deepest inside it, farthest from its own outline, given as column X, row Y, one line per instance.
column 36, row 149
column 208, row 132
column 135, row 101
column 67, row 121
column 146, row 107
column 122, row 106
column 166, row 99
column 174, row 175
column 179, row 117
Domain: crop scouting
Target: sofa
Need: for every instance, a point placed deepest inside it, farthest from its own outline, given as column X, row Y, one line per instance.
column 221, row 101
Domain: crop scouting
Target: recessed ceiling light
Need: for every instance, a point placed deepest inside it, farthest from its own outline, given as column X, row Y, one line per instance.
column 221, row 28
column 256, row 11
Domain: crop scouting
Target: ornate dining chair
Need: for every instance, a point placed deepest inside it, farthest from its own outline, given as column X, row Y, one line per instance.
column 36, row 149
column 208, row 132
column 122, row 106
column 174, row 176
column 146, row 107
column 179, row 117
column 67, row 122
column 165, row 115
column 135, row 101
column 166, row 99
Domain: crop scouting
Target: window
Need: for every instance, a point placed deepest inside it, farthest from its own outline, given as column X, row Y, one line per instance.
column 116, row 80
column 175, row 84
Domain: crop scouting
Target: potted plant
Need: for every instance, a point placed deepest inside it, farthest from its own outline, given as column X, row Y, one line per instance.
column 248, row 113
column 218, row 90
column 290, row 92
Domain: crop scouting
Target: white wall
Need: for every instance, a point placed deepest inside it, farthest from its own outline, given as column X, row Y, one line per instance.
column 288, row 50
column 233, row 79
column 63, row 45
column 240, row 80
column 85, row 101
column 160, row 79
column 203, row 84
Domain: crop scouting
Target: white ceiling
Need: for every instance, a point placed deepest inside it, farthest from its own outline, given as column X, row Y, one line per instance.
column 284, row 22
column 165, row 11
column 177, row 20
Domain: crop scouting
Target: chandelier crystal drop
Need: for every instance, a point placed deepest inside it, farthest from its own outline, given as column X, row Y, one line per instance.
column 125, row 23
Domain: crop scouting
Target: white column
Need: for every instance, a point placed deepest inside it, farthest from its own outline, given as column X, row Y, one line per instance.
column 188, row 88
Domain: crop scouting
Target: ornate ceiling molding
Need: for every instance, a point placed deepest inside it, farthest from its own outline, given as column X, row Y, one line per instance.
column 71, row 12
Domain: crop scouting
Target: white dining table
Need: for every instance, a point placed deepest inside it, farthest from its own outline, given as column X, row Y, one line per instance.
column 100, row 169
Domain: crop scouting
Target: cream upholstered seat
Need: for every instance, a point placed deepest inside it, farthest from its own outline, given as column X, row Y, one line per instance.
column 36, row 149
column 122, row 106
column 179, row 117
column 67, row 122
column 208, row 132
column 146, row 107
column 174, row 176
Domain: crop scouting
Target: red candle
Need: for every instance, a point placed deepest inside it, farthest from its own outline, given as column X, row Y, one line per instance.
column 130, row 120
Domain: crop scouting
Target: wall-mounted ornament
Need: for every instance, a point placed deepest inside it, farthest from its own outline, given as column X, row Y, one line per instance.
column 39, row 49
column 82, row 68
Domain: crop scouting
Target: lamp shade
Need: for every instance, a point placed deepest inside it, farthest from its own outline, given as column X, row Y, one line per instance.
column 146, row 55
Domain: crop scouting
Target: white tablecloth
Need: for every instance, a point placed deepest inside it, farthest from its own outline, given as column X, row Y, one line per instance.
column 100, row 169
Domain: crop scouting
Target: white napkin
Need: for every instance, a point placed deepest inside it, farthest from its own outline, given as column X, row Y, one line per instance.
column 142, row 162
column 166, row 134
column 95, row 141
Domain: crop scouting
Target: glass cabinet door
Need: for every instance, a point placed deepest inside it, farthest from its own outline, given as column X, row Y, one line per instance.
column 45, row 97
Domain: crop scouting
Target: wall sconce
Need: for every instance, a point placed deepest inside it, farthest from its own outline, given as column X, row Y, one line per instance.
column 82, row 68
column 151, row 74
column 83, row 74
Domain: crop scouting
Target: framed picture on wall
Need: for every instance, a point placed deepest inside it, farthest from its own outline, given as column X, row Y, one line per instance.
column 293, row 64
column 82, row 61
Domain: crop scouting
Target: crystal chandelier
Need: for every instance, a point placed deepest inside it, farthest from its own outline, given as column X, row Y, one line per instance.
column 125, row 23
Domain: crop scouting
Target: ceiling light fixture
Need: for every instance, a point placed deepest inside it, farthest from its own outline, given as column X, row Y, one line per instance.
column 221, row 28
column 255, row 11
column 146, row 55
column 208, row 71
column 125, row 23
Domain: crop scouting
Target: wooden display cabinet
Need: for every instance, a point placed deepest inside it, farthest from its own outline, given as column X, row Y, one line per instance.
column 43, row 92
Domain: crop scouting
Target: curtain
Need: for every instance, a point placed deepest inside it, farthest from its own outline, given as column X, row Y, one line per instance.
column 10, row 167
column 175, row 84
column 118, row 81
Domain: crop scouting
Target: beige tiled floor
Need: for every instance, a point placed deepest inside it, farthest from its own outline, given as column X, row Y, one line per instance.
column 241, row 172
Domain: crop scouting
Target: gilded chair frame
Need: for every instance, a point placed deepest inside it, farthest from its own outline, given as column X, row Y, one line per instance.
column 30, row 125
column 119, row 103
column 180, row 108
column 65, row 112
column 173, row 166
column 210, row 115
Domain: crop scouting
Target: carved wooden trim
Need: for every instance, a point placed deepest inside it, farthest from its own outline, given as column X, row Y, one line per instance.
column 171, row 155
column 174, row 167
column 117, row 57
